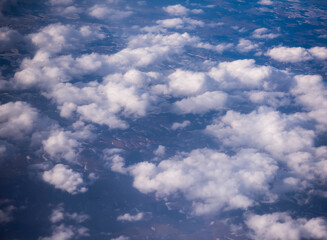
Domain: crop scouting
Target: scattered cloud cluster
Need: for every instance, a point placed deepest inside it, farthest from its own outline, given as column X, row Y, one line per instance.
column 62, row 231
column 297, row 54
column 131, row 218
column 282, row 226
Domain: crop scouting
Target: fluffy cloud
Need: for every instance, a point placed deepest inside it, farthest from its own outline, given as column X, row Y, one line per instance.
column 263, row 33
column 121, row 238
column 179, row 23
column 311, row 93
column 283, row 227
column 177, row 10
column 264, row 129
column 17, row 120
column 297, row 54
column 319, row 52
column 245, row 45
column 202, row 103
column 265, row 2
column 181, row 125
column 64, row 178
column 131, row 218
column 103, row 12
column 114, row 160
column 57, row 37
column 273, row 99
column 212, row 180
column 241, row 74
column 66, row 144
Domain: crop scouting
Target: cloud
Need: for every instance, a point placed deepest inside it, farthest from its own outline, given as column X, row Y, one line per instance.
column 63, row 232
column 241, row 74
column 6, row 214
column 211, row 180
column 65, row 179
column 311, row 93
column 263, row 33
column 203, row 103
column 263, row 129
column 273, row 99
column 286, row 54
column 121, row 238
column 282, row 226
column 245, row 45
column 9, row 38
column 57, row 37
column 17, row 120
column 177, row 10
column 160, row 151
column 178, row 23
column 66, row 145
column 102, row 12
column 61, row 2
column 131, row 218
column 114, row 161
column 59, row 215
column 319, row 52
column 177, row 125
column 266, row 2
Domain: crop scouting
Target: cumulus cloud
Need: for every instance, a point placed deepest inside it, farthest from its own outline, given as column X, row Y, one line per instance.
column 177, row 125
column 177, row 10
column 286, row 54
column 203, row 103
column 241, row 74
column 311, row 93
column 319, row 52
column 245, row 45
column 273, row 99
column 179, row 23
column 131, row 218
column 56, row 37
column 160, row 151
column 65, row 179
column 17, row 120
column 264, row 129
column 265, row 2
column 211, row 180
column 103, row 12
column 263, row 33
column 282, row 226
column 63, row 232
column 114, row 160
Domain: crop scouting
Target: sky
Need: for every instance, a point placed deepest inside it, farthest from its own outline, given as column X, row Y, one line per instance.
column 126, row 120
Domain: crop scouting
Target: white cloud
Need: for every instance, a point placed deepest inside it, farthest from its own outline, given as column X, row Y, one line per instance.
column 203, row 103
column 56, row 37
column 286, row 54
column 177, row 10
column 181, row 125
column 186, row 83
column 58, row 215
column 131, row 218
column 17, row 120
column 241, row 74
column 160, row 151
column 264, row 129
column 64, row 178
column 103, row 12
column 114, row 160
column 283, row 227
column 211, row 180
column 263, row 33
column 319, row 52
column 178, row 23
column 265, row 2
column 273, row 99
column 311, row 93
column 245, row 45
column 121, row 238
column 63, row 232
